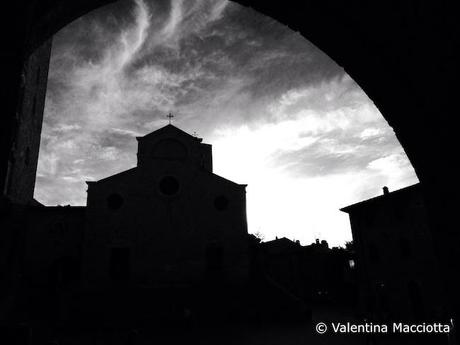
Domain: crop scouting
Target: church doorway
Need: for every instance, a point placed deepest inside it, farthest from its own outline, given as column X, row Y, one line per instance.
column 62, row 272
column 214, row 261
column 120, row 263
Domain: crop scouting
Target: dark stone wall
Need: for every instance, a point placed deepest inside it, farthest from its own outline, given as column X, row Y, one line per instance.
column 394, row 247
column 27, row 125
column 39, row 252
column 27, row 28
column 12, row 239
column 52, row 246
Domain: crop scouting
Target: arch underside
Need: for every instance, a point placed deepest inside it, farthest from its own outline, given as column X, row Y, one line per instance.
column 400, row 53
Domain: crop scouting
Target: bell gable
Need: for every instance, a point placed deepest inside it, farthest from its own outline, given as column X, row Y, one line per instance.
column 170, row 143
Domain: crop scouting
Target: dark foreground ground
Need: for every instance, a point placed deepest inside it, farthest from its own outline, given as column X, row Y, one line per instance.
column 279, row 333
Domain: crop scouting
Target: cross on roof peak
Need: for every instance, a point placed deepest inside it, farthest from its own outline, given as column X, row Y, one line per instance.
column 170, row 116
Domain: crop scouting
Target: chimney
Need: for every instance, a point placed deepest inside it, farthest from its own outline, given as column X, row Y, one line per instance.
column 385, row 190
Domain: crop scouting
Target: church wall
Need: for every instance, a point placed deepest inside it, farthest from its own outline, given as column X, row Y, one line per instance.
column 222, row 213
column 206, row 153
column 167, row 236
column 53, row 245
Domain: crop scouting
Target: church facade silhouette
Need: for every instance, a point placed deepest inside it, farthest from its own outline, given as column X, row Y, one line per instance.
column 169, row 220
column 166, row 240
column 148, row 236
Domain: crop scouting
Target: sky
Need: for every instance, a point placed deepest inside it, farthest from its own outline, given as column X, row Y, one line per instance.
column 281, row 115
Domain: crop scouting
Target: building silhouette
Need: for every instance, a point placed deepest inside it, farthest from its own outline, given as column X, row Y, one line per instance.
column 285, row 262
column 153, row 234
column 168, row 220
column 21, row 169
column 166, row 240
column 315, row 273
column 398, row 272
column 395, row 85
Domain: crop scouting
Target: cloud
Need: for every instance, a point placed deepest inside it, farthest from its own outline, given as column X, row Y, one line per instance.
column 102, row 94
column 341, row 128
column 282, row 116
column 313, row 150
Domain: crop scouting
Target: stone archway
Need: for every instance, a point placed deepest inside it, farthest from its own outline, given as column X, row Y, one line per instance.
column 400, row 53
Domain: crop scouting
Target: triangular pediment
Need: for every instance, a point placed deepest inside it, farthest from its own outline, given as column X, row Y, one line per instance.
column 169, row 129
column 170, row 143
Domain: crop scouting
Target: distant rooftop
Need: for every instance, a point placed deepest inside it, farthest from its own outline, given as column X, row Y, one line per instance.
column 385, row 196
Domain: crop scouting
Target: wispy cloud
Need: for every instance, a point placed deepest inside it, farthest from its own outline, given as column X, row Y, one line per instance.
column 279, row 112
